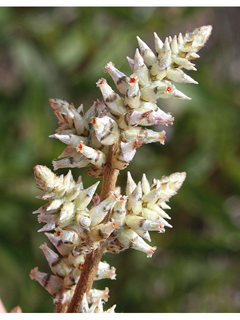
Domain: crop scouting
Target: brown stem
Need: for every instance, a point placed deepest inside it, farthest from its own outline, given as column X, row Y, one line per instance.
column 92, row 260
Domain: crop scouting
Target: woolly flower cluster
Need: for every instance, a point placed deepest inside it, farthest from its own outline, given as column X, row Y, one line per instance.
column 80, row 221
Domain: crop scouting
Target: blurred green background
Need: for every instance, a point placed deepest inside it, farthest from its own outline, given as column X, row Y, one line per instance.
column 60, row 53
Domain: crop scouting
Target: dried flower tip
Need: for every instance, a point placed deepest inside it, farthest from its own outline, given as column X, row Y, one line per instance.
column 134, row 203
column 98, row 212
column 119, row 78
column 51, row 283
column 131, row 185
column 45, row 178
column 57, row 265
column 131, row 63
column 105, row 272
column 106, row 130
column 147, row 54
column 96, row 157
column 198, row 37
column 170, row 185
column 51, row 221
column 113, row 101
column 144, row 135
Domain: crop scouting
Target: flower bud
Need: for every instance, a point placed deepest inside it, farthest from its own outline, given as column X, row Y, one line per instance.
column 91, row 112
column 124, row 154
column 134, row 203
column 70, row 139
column 66, row 215
column 72, row 278
column 119, row 78
column 158, row 210
column 177, row 75
column 144, row 135
column 54, row 205
column 113, row 101
column 74, row 258
column 57, row 265
column 136, row 223
column 68, row 237
column 74, row 161
column 158, row 43
column 102, row 231
column 82, row 219
column 145, row 185
column 140, row 69
column 152, row 196
column 106, row 130
column 161, row 89
column 132, row 118
column 95, row 294
column 183, row 63
column 104, row 271
column 132, row 97
column 51, row 283
column 119, row 211
column 174, row 46
column 131, row 185
column 58, row 244
column 80, row 123
column 96, row 157
column 131, row 239
column 98, row 212
column 154, row 217
column 85, row 197
column 147, row 54
column 45, row 178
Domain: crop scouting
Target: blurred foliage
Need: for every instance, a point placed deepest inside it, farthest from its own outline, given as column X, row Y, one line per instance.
column 60, row 53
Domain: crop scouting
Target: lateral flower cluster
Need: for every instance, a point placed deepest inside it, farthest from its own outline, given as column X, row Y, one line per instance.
column 79, row 220
column 123, row 118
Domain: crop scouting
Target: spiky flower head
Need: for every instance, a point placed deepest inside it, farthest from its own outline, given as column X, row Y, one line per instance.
column 79, row 221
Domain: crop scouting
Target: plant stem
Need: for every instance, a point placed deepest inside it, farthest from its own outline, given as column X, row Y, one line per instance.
column 92, row 260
